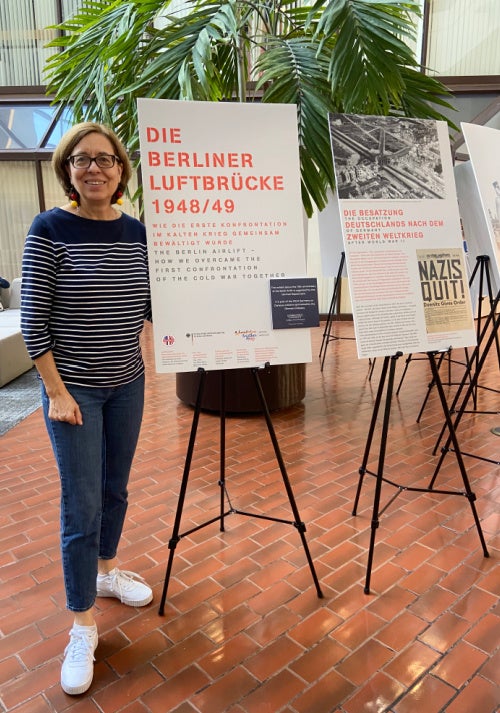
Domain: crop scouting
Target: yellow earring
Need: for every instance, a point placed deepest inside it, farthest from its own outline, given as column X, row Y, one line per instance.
column 73, row 198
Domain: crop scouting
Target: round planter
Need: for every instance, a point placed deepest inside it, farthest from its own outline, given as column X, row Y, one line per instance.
column 283, row 385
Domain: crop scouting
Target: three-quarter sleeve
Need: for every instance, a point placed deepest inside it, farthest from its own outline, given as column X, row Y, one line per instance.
column 37, row 289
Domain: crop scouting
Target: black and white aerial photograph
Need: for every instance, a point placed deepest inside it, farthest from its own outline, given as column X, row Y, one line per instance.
column 385, row 157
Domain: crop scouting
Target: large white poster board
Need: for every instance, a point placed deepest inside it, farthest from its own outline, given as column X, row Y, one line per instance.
column 402, row 237
column 474, row 226
column 478, row 189
column 223, row 214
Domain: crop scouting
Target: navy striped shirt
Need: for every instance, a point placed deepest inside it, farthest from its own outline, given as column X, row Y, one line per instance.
column 85, row 296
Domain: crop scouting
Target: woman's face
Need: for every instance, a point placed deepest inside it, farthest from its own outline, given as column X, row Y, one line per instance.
column 95, row 185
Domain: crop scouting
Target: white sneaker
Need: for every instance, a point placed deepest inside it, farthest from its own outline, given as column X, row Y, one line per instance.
column 78, row 666
column 125, row 587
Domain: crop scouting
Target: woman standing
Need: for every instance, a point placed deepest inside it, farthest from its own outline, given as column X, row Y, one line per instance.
column 85, row 296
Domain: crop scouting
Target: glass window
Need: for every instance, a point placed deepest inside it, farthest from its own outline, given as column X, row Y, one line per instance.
column 53, row 193
column 23, row 40
column 64, row 121
column 25, row 126
column 463, row 38
column 25, row 32
column 18, row 206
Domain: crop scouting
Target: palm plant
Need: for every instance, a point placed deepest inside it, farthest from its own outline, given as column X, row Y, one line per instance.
column 349, row 56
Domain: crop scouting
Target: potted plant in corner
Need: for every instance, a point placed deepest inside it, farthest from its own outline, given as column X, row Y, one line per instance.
column 349, row 56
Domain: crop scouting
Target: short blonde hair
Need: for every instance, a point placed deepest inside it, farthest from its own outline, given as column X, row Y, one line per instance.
column 73, row 137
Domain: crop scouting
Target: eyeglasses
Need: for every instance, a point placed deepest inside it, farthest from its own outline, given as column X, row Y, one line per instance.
column 104, row 160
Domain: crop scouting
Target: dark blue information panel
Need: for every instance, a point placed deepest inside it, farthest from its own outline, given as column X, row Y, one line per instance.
column 294, row 303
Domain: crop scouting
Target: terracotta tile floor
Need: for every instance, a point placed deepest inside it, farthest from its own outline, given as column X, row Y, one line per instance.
column 244, row 630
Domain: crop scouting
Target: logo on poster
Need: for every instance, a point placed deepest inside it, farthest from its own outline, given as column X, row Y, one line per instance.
column 168, row 340
column 249, row 335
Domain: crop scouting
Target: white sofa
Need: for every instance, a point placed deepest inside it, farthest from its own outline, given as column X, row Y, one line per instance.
column 14, row 357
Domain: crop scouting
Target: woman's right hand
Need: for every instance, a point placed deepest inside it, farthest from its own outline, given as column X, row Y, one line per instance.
column 63, row 407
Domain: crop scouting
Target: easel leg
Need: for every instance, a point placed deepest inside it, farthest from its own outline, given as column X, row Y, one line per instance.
column 222, row 472
column 493, row 307
column 328, row 327
column 477, row 358
column 430, row 386
column 297, row 521
column 407, row 364
column 453, row 437
column 371, row 431
column 187, row 466
column 334, row 305
column 380, row 469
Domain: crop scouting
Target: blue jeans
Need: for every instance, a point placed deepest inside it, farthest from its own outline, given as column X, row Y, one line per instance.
column 94, row 462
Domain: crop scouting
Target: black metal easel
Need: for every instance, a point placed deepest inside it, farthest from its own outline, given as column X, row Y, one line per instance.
column 177, row 535
column 387, row 383
column 488, row 335
column 333, row 309
column 483, row 266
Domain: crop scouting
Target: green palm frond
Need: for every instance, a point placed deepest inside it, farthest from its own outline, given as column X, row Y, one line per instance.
column 370, row 54
column 101, row 48
column 292, row 72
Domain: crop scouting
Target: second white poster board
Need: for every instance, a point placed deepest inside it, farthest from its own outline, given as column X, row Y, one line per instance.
column 478, row 188
column 402, row 237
